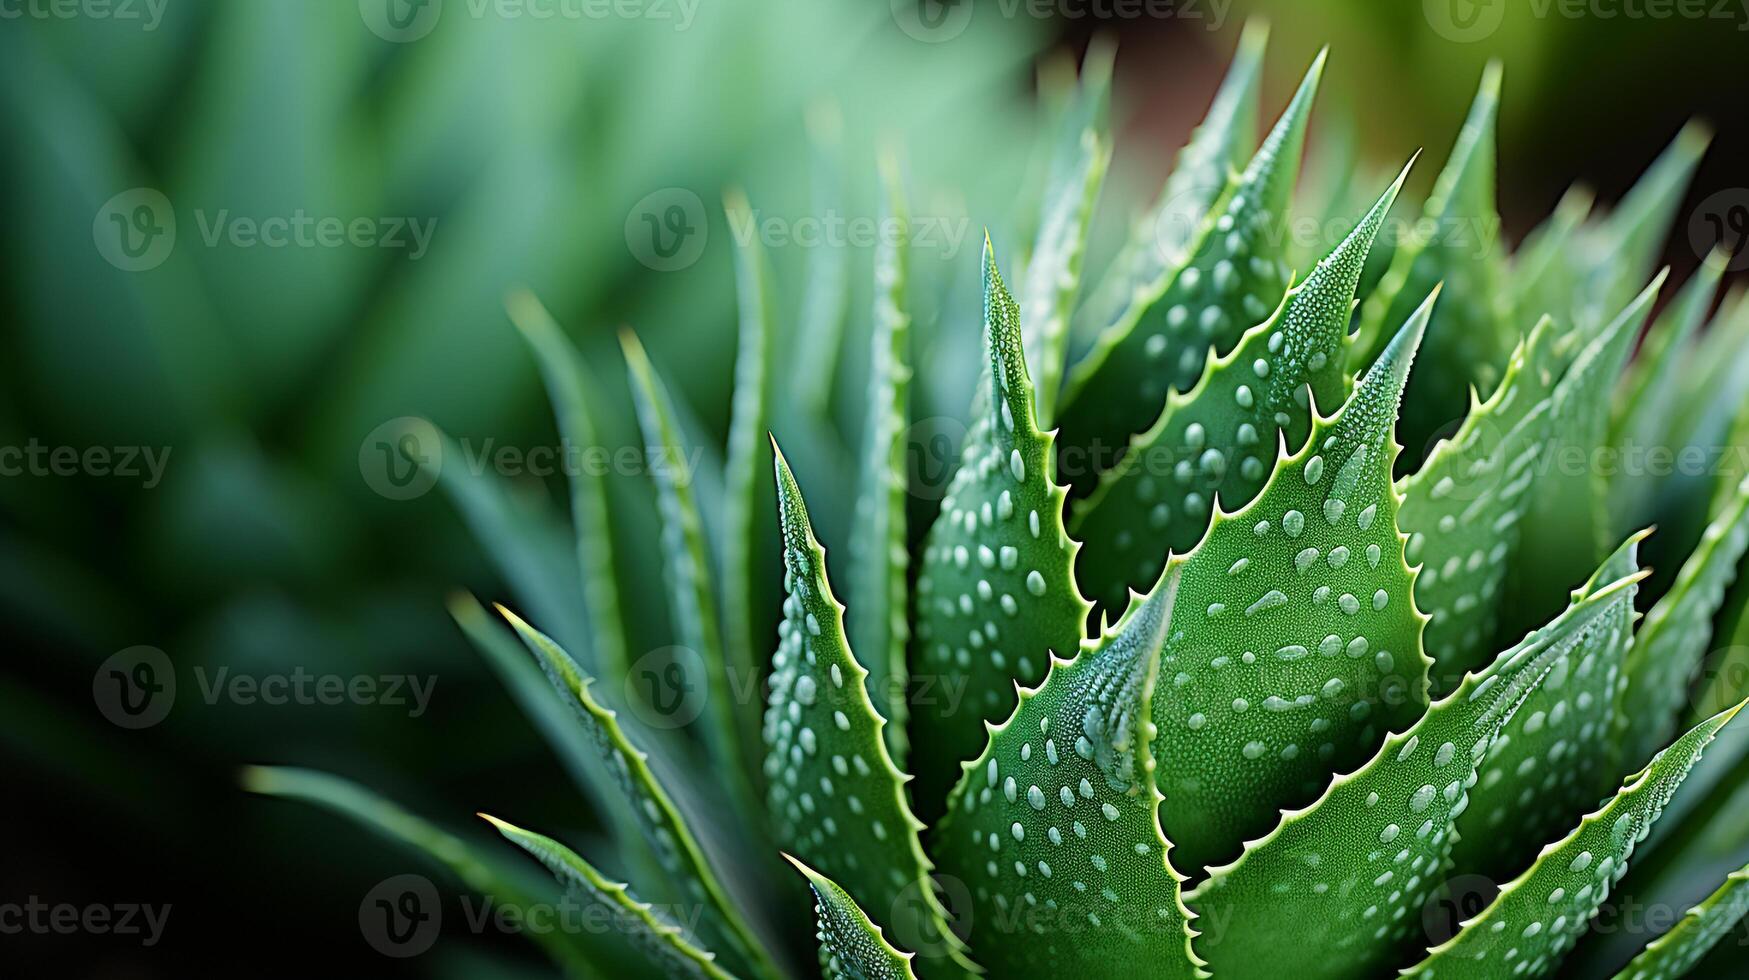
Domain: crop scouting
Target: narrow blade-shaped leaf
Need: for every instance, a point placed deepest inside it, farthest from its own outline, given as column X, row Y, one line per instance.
column 851, row 946
column 1677, row 951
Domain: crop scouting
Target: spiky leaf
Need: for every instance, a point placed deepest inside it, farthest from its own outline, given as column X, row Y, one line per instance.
column 1217, row 440
column 1677, row 951
column 666, row 947
column 1621, row 251
column 995, row 594
column 1544, row 280
column 1352, row 870
column 1538, row 915
column 835, row 796
column 1054, row 827
column 851, row 946
column 1233, row 275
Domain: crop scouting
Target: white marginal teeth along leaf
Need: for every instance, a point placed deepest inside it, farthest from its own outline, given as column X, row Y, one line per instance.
column 1295, row 644
column 668, row 949
column 1677, row 951
column 1462, row 510
column 1219, row 439
column 1457, row 242
column 1053, row 828
column 1054, row 270
column 1200, row 175
column 835, row 796
column 851, row 946
column 1668, row 651
column 1234, row 274
column 995, row 595
column 1353, row 870
column 880, row 624
column 1555, row 757
column 675, row 846
column 1538, row 915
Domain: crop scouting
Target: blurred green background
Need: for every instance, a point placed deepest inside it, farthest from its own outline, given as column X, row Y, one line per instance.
column 530, row 148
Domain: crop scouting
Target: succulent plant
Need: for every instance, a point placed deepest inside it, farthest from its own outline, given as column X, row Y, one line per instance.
column 1252, row 680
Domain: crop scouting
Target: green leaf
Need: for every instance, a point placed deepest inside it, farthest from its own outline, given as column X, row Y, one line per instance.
column 687, row 564
column 1053, row 273
column 1551, row 761
column 1668, row 651
column 835, row 797
column 1200, row 175
column 1054, row 828
column 743, row 482
column 1457, row 242
column 881, row 624
column 481, row 871
column 1232, row 275
column 1623, row 250
column 1715, row 387
column 1677, row 951
column 1538, row 916
column 1544, row 280
column 568, row 385
column 825, row 299
column 662, row 824
column 851, row 946
column 1352, row 870
column 667, row 948
column 1217, row 439
column 1295, row 641
column 1463, row 509
column 996, row 594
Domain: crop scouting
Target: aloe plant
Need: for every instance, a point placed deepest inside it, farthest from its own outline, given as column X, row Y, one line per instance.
column 1253, row 688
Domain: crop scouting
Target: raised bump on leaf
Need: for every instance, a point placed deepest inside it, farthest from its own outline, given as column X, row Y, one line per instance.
column 1352, row 870
column 1295, row 643
column 1201, row 174
column 1676, row 952
column 1538, row 916
column 1054, row 829
column 1457, row 243
column 668, row 949
column 835, row 797
column 996, row 594
column 1670, row 646
column 663, row 826
column 1219, row 438
column 1233, row 276
column 851, row 946
column 1555, row 757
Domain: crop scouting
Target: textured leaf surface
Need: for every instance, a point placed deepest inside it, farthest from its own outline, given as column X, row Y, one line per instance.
column 667, row 948
column 676, row 847
column 1053, row 273
column 1352, row 871
column 1203, row 169
column 1457, row 242
column 851, row 946
column 1295, row 642
column 1053, row 828
column 1462, row 510
column 1234, row 275
column 881, row 624
column 1555, row 757
column 1676, row 635
column 1538, row 915
column 1673, row 954
column 995, row 594
column 836, row 798
column 1218, row 439
column 567, row 386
